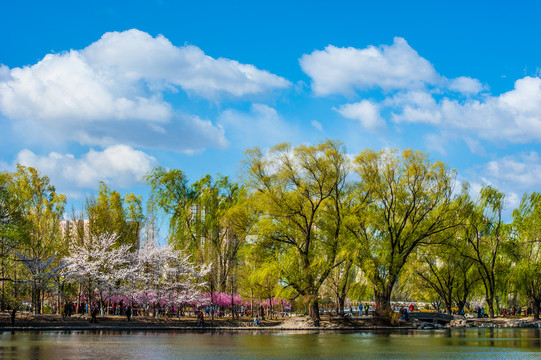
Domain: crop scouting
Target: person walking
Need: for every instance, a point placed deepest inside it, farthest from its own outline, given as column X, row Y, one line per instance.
column 128, row 312
column 94, row 314
column 201, row 320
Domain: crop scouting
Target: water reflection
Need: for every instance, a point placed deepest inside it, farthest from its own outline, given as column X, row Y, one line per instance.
column 444, row 344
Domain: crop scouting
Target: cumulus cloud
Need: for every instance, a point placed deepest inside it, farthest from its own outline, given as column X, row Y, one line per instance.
column 136, row 55
column 408, row 82
column 397, row 66
column 120, row 165
column 366, row 112
column 514, row 116
column 519, row 172
column 465, row 85
column 4, row 73
column 65, row 86
column 113, row 91
column 343, row 70
column 514, row 175
column 415, row 107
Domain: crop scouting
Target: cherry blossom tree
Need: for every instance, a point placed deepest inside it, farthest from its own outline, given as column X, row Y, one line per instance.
column 100, row 266
column 167, row 278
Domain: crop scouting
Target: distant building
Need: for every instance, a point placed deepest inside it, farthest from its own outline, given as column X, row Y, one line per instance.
column 79, row 232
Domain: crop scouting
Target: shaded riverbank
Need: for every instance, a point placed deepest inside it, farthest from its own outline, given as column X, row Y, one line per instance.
column 29, row 322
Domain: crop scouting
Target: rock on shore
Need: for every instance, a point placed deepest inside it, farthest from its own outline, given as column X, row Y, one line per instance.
column 495, row 323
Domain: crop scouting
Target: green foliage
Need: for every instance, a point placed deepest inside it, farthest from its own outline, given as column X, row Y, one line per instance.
column 400, row 203
column 210, row 219
column 41, row 209
column 298, row 193
column 484, row 234
column 525, row 249
column 301, row 227
column 110, row 213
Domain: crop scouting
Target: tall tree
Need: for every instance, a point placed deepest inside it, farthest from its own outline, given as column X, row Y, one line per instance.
column 171, row 193
column 110, row 213
column 404, row 200
column 165, row 275
column 209, row 219
column 42, row 209
column 299, row 193
column 525, row 249
column 99, row 265
column 485, row 233
column 13, row 230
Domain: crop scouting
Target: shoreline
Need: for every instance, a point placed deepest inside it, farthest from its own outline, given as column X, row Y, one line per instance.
column 203, row 329
column 49, row 322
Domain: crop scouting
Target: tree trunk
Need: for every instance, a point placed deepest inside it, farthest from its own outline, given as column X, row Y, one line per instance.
column 460, row 305
column 341, row 304
column 232, row 303
column 251, row 302
column 383, row 302
column 314, row 309
column 448, row 309
column 13, row 313
column 490, row 303
column 536, row 304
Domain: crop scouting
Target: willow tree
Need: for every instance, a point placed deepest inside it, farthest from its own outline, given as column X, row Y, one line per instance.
column 446, row 272
column 298, row 193
column 485, row 233
column 171, row 193
column 208, row 220
column 525, row 249
column 402, row 201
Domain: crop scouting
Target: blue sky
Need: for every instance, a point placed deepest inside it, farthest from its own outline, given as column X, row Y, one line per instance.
column 105, row 90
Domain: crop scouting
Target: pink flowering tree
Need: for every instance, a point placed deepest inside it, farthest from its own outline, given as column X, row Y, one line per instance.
column 223, row 300
column 166, row 277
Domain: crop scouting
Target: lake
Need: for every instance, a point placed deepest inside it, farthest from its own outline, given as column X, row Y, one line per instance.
column 406, row 344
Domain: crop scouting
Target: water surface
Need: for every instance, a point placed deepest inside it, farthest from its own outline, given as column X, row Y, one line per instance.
column 436, row 344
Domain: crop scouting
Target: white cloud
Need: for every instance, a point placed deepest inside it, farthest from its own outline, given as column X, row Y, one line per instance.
column 62, row 87
column 512, row 175
column 112, row 92
column 415, row 107
column 261, row 126
column 316, row 124
column 522, row 173
column 514, row 116
column 343, row 70
column 465, row 85
column 134, row 55
column 398, row 66
column 366, row 112
column 4, row 73
column 120, row 165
